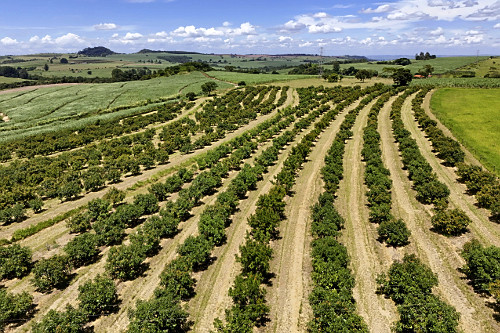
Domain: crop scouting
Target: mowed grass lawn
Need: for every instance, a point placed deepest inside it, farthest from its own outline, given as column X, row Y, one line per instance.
column 473, row 115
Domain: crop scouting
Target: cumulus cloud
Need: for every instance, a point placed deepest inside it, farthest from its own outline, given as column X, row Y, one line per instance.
column 8, row 41
column 496, row 26
column 105, row 26
column 132, row 36
column 438, row 31
column 379, row 9
column 324, row 28
column 191, row 31
column 285, row 39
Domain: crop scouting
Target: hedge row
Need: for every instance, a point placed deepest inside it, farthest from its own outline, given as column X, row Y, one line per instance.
column 394, row 232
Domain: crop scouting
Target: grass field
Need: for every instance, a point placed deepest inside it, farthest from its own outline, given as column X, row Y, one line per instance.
column 39, row 110
column 254, row 78
column 473, row 115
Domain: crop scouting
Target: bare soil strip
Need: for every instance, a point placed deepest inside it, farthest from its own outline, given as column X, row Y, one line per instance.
column 439, row 252
column 481, row 227
column 288, row 295
column 369, row 257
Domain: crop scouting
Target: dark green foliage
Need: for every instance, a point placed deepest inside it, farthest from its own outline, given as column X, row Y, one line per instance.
column 427, row 314
column 407, row 278
column 14, row 307
column 394, row 233
column 402, row 76
column 176, row 279
column 114, row 196
column 125, row 262
column 98, row 209
column 196, row 250
column 482, row 264
column 70, row 321
column 450, row 222
column 162, row 314
column 82, row 249
column 79, row 223
column 109, row 231
column 36, row 204
column 162, row 227
column 255, row 257
column 159, row 190
column 213, row 222
column 148, row 203
column 15, row 261
column 249, row 297
column 432, row 192
column 145, row 243
column 98, row 297
column 51, row 273
column 409, row 283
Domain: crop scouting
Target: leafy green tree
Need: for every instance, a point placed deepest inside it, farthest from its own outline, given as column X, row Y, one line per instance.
column 176, row 279
column 70, row 321
column 125, row 262
column 402, row 77
column 69, row 190
column 46, row 67
column 51, row 273
column 109, row 231
column 98, row 209
column 482, row 264
column 82, row 249
column 162, row 314
column 196, row 250
column 79, row 223
column 255, row 257
column 114, row 196
column 208, row 87
column 450, row 222
column 98, row 297
column 394, row 232
column 15, row 261
column 36, row 204
column 362, row 75
column 248, row 295
column 148, row 203
column 14, row 307
column 407, row 278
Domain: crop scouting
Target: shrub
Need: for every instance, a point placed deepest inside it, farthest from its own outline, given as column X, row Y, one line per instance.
column 70, row 321
column 196, row 250
column 450, row 222
column 15, row 261
column 98, row 297
column 79, row 223
column 82, row 249
column 176, row 279
column 394, row 232
column 51, row 273
column 124, row 263
column 14, row 307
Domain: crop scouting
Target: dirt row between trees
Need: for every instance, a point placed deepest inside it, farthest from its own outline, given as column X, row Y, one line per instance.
column 290, row 289
column 369, row 257
column 213, row 285
column 442, row 254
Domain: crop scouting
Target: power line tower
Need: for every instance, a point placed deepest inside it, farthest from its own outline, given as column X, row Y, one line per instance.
column 320, row 66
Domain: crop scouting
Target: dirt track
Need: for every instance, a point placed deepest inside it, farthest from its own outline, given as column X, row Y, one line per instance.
column 369, row 257
column 439, row 252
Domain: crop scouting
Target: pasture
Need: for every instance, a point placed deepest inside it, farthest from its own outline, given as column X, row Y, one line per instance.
column 473, row 115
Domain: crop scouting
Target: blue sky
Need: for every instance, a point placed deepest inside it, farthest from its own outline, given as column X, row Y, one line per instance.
column 361, row 27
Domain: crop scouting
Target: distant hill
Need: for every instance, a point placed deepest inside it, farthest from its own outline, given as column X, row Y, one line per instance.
column 99, row 51
column 172, row 52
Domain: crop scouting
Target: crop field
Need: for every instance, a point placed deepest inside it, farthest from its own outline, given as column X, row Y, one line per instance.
column 473, row 116
column 298, row 206
column 35, row 110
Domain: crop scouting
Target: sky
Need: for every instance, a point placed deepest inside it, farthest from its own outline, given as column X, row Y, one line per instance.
column 358, row 27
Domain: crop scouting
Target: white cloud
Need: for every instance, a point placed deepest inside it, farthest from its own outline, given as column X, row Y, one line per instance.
column 191, row 31
column 324, row 28
column 379, row 9
column 69, row 39
column 8, row 41
column 226, row 24
column 105, row 26
column 132, row 36
column 496, row 26
column 285, row 39
column 438, row 31
column 244, row 29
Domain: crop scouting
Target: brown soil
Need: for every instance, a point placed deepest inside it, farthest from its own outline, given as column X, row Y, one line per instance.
column 368, row 256
column 439, row 252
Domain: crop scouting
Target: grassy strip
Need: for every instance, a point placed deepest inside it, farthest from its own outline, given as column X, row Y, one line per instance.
column 30, row 231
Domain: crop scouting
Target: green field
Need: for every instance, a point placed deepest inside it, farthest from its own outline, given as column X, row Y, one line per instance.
column 473, row 115
column 254, row 78
column 42, row 109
